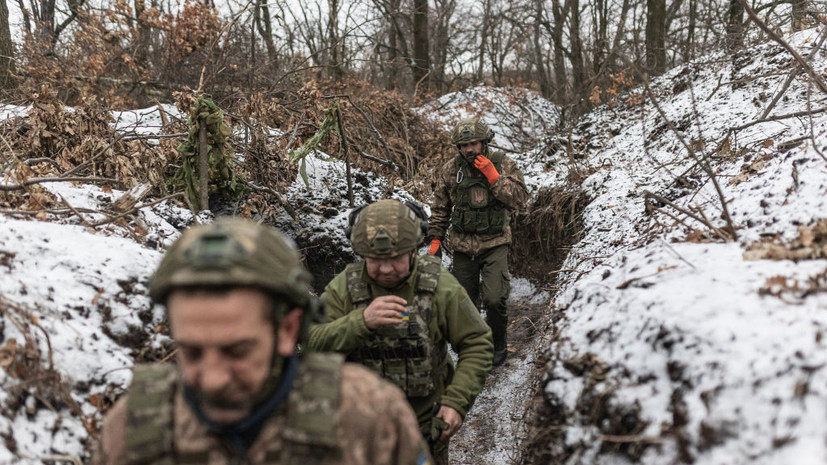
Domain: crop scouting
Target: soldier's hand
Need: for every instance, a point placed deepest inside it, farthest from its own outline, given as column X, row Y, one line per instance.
column 487, row 168
column 452, row 417
column 383, row 311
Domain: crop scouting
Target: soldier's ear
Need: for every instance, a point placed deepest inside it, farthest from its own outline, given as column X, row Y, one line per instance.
column 287, row 334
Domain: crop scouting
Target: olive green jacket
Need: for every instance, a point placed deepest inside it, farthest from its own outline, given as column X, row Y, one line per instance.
column 510, row 189
column 455, row 320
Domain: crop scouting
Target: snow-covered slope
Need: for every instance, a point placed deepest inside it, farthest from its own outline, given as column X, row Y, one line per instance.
column 671, row 345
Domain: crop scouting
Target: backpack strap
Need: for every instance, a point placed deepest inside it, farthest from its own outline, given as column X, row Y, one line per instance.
column 149, row 411
column 357, row 287
column 313, row 410
column 428, row 273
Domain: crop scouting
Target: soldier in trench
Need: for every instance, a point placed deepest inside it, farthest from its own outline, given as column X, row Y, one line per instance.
column 237, row 300
column 395, row 312
column 476, row 195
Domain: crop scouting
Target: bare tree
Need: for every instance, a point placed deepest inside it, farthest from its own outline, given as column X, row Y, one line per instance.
column 656, row 36
column 6, row 49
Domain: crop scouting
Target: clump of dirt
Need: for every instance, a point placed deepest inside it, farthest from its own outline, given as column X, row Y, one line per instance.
column 324, row 257
column 612, row 426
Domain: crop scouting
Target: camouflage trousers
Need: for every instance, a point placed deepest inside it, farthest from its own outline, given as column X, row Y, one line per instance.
column 485, row 276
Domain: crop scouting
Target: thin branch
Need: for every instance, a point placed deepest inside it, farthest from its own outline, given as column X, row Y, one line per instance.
column 801, row 61
column 702, row 163
column 797, row 114
column 77, row 213
column 795, row 72
column 701, row 219
column 367, row 119
column 281, row 200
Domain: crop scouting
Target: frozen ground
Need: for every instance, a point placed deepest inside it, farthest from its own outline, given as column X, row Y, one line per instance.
column 665, row 344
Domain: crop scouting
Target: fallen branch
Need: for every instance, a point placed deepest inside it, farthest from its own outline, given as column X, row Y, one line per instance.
column 630, row 439
column 701, row 219
column 77, row 213
column 797, row 114
column 18, row 187
column 281, row 200
column 704, row 166
column 135, row 209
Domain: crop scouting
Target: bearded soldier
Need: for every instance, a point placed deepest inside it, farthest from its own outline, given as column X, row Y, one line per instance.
column 395, row 312
column 237, row 299
column 476, row 194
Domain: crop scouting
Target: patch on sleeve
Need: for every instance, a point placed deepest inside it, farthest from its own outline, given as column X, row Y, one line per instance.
column 423, row 460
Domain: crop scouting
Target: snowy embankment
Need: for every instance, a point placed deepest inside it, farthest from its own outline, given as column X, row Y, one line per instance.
column 672, row 345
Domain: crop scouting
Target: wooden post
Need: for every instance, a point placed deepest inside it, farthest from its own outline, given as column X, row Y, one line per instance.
column 203, row 167
column 343, row 140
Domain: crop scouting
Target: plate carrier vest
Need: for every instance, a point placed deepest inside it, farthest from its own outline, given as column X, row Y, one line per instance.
column 308, row 436
column 402, row 354
column 476, row 210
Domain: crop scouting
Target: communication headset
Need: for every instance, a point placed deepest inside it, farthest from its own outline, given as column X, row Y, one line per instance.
column 413, row 206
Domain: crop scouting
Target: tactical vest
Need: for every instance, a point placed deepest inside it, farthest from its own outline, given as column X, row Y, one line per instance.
column 308, row 436
column 403, row 354
column 476, row 210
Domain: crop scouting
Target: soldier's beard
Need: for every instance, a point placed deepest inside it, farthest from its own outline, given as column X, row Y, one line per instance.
column 222, row 408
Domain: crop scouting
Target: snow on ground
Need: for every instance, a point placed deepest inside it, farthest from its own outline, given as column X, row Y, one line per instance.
column 693, row 348
column 706, row 355
column 519, row 117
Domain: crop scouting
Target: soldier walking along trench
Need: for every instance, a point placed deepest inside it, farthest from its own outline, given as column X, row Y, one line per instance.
column 476, row 195
column 396, row 312
column 237, row 300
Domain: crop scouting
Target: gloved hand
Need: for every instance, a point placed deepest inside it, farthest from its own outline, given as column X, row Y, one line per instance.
column 484, row 164
column 435, row 243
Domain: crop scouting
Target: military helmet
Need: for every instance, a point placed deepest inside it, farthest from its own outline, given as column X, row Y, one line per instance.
column 233, row 252
column 471, row 130
column 386, row 229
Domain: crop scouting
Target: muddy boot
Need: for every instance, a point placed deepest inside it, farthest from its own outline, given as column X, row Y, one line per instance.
column 500, row 351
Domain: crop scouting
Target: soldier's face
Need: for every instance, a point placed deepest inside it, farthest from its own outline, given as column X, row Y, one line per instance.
column 226, row 344
column 470, row 150
column 389, row 272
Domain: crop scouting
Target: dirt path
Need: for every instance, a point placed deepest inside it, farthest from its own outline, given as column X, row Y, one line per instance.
column 494, row 429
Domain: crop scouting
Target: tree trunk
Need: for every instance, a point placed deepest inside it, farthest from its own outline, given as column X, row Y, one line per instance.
column 539, row 56
column 656, row 36
column 560, row 78
column 422, row 61
column 265, row 29
column 735, row 26
column 578, row 70
column 484, row 24
column 143, row 30
column 335, row 69
column 6, row 49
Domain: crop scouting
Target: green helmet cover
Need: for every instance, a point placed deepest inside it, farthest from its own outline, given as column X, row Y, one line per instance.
column 471, row 130
column 232, row 252
column 385, row 229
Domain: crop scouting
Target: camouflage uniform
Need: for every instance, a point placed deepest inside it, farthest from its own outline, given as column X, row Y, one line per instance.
column 480, row 254
column 310, row 410
column 374, row 427
column 453, row 319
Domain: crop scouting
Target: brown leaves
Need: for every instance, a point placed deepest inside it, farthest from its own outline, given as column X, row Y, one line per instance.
column 792, row 290
column 811, row 244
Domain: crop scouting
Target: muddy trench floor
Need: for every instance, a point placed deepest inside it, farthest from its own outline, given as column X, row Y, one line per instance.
column 494, row 429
